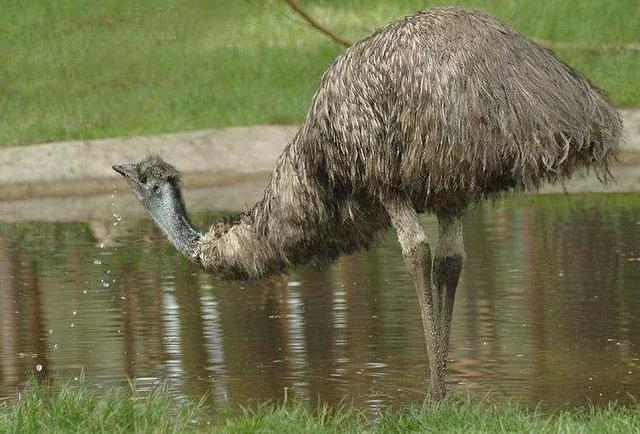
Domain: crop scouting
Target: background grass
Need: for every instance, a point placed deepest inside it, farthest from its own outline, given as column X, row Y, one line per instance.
column 77, row 409
column 73, row 69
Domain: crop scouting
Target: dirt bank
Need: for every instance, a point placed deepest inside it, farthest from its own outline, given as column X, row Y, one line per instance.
column 206, row 157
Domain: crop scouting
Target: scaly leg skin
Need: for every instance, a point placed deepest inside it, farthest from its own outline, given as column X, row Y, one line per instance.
column 417, row 256
column 447, row 266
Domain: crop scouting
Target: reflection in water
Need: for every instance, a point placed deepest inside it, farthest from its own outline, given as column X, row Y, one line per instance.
column 38, row 335
column 547, row 311
column 9, row 309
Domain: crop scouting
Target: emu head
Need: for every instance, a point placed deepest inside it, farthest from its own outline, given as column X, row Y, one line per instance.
column 156, row 184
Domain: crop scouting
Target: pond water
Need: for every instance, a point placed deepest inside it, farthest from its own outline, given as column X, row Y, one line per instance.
column 547, row 312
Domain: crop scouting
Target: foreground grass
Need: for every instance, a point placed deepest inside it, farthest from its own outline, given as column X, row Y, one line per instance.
column 77, row 409
column 74, row 69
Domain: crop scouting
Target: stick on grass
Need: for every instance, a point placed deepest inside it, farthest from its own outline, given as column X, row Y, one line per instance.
column 302, row 12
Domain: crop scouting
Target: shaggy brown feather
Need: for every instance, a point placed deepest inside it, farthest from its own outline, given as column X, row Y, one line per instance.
column 445, row 106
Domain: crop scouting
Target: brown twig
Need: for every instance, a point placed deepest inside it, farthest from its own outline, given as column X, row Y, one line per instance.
column 549, row 44
column 302, row 12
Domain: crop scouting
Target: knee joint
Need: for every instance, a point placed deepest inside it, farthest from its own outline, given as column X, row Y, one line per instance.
column 412, row 241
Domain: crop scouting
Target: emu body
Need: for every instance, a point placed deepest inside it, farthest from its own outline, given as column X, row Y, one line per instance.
column 437, row 110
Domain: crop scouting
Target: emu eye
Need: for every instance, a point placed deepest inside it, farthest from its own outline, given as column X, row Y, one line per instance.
column 156, row 188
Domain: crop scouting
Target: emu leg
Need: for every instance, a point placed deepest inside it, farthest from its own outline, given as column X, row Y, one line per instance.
column 447, row 266
column 417, row 256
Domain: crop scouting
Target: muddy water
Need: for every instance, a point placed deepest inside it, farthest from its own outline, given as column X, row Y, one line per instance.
column 548, row 310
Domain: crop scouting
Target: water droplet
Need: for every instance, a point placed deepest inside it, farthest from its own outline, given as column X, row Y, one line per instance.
column 84, row 291
column 55, row 347
column 38, row 367
column 50, row 331
column 75, row 378
column 72, row 325
column 75, row 312
column 294, row 283
column 97, row 261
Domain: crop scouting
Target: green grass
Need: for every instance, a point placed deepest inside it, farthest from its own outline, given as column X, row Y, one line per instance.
column 73, row 69
column 77, row 409
column 614, row 202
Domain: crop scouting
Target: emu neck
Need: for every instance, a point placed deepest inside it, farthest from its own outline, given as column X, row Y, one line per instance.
column 286, row 227
column 174, row 221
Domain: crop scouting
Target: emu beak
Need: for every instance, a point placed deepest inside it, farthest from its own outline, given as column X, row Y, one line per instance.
column 130, row 174
column 126, row 170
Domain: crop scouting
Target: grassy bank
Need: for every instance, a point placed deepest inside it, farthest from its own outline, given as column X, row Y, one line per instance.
column 79, row 410
column 74, row 69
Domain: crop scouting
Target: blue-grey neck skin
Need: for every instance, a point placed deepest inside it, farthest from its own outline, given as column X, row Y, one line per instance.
column 170, row 215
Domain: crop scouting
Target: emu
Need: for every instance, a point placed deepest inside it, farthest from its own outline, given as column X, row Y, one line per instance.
column 437, row 110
